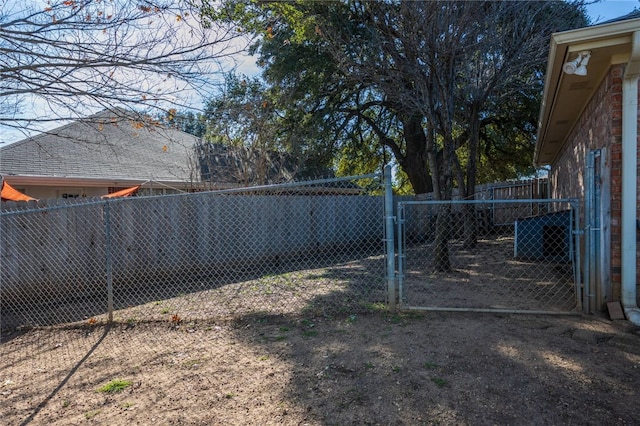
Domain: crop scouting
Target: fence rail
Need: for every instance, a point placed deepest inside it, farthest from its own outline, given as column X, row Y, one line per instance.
column 312, row 245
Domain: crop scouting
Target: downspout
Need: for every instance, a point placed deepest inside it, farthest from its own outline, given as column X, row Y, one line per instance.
column 629, row 181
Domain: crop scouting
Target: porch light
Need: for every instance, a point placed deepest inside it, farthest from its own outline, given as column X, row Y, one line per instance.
column 579, row 65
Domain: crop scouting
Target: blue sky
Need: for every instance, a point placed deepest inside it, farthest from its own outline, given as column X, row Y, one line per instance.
column 609, row 9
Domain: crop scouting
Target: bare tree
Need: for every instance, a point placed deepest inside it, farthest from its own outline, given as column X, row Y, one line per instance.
column 63, row 58
column 443, row 68
column 243, row 120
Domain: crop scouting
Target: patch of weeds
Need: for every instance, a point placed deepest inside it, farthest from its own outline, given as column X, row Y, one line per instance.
column 369, row 365
column 284, row 329
column 396, row 319
column 289, row 279
column 157, row 302
column 309, row 333
column 263, row 358
column 115, row 386
column 165, row 311
column 376, row 307
column 281, row 338
column 191, row 363
column 308, row 323
column 311, row 309
column 414, row 315
column 229, row 395
column 430, row 365
column 351, row 319
column 439, row 382
column 395, row 369
column 131, row 321
column 286, row 279
column 128, row 405
column 91, row 414
column 66, row 403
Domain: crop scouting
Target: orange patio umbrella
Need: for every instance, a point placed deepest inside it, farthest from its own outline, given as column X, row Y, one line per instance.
column 123, row 193
column 9, row 193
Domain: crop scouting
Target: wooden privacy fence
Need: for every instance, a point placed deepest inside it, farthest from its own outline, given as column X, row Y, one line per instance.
column 59, row 257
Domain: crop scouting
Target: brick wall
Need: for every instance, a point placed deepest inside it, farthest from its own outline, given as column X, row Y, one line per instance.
column 600, row 126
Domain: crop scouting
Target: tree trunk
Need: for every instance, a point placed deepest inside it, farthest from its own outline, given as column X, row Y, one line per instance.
column 415, row 163
column 469, row 211
column 443, row 222
column 470, row 227
column 416, row 170
column 442, row 262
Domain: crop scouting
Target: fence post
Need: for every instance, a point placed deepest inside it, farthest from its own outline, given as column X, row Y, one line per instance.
column 389, row 237
column 107, row 253
column 589, row 185
column 575, row 208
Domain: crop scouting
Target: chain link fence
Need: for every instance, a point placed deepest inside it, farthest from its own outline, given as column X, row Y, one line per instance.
column 316, row 247
column 312, row 247
column 213, row 293
column 489, row 255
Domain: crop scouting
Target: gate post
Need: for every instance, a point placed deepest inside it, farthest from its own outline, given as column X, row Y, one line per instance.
column 389, row 238
column 588, row 300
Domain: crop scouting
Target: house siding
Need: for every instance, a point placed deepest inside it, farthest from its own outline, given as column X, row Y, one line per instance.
column 599, row 127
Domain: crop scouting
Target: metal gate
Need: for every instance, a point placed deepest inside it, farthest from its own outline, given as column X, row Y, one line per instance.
column 489, row 255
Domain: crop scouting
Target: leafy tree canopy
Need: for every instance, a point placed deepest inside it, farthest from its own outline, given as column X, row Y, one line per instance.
column 448, row 90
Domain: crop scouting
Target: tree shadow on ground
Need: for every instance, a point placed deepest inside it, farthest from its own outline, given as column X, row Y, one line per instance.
column 54, row 308
column 323, row 366
column 439, row 368
column 336, row 356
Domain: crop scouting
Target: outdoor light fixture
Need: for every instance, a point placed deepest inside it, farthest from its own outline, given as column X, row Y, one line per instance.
column 579, row 65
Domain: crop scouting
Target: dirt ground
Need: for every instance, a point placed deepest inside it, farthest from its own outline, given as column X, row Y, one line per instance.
column 366, row 368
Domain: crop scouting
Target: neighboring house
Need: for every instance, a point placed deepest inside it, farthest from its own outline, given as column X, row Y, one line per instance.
column 588, row 134
column 115, row 150
column 102, row 154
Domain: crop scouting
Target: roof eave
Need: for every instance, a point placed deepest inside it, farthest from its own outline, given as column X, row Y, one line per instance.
column 562, row 45
column 32, row 180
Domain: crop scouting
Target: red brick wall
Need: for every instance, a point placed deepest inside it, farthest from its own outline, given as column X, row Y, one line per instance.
column 594, row 130
column 615, row 178
column 600, row 126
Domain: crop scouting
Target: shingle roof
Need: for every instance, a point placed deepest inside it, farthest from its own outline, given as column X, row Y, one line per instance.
column 107, row 145
column 635, row 13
